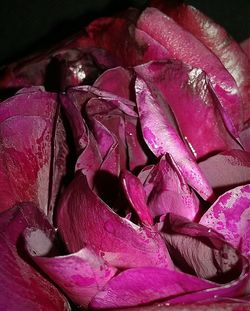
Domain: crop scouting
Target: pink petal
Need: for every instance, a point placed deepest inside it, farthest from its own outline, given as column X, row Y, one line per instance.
column 227, row 170
column 137, row 197
column 22, row 287
column 162, row 138
column 214, row 37
column 188, row 93
column 27, row 123
column 80, row 275
column 230, row 216
column 169, row 192
column 84, row 219
column 184, row 46
column 140, row 286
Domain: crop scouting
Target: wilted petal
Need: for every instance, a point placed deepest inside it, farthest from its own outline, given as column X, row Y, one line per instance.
column 202, row 251
column 22, row 287
column 227, row 170
column 169, row 192
column 230, row 216
column 188, row 93
column 184, row 46
column 140, row 286
column 162, row 138
column 84, row 219
column 80, row 275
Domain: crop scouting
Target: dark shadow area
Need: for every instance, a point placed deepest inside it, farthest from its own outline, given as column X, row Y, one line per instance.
column 30, row 26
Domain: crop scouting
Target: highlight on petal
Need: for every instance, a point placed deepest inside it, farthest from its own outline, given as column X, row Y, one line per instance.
column 183, row 46
column 227, row 170
column 162, row 138
column 84, row 219
column 214, row 37
column 21, row 286
column 230, row 216
column 80, row 275
column 139, row 286
column 188, row 93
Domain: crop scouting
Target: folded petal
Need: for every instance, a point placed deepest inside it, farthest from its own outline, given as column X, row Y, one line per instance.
column 184, row 46
column 28, row 123
column 136, row 196
column 162, row 138
column 214, row 37
column 227, row 170
column 22, row 287
column 80, row 275
column 230, row 216
column 189, row 95
column 169, row 191
column 83, row 219
column 202, row 251
column 116, row 80
column 141, row 286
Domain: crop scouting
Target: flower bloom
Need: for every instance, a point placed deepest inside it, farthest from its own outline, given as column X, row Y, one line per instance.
column 125, row 182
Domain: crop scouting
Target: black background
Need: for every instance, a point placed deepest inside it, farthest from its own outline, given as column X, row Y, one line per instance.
column 30, row 25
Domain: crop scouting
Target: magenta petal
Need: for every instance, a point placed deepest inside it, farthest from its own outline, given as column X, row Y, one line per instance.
column 169, row 192
column 80, row 275
column 89, row 158
column 188, row 93
column 140, row 286
column 136, row 149
column 125, row 105
column 202, row 251
column 22, row 287
column 229, row 215
column 227, row 170
column 162, row 138
column 116, row 80
column 245, row 138
column 83, row 219
column 27, row 122
column 184, row 46
column 222, row 45
column 137, row 197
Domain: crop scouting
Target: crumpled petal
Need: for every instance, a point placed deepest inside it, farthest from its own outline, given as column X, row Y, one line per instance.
column 188, row 93
column 83, row 219
column 80, row 275
column 22, row 287
column 140, row 286
column 215, row 259
column 162, row 138
column 167, row 191
column 230, row 216
column 227, row 170
column 184, row 46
